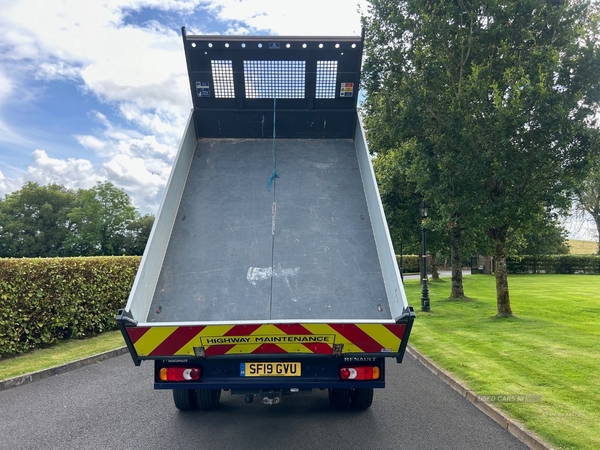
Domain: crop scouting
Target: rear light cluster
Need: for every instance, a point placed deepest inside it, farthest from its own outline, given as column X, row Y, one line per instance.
column 179, row 374
column 360, row 373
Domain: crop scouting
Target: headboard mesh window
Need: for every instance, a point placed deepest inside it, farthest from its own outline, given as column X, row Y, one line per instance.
column 222, row 74
column 326, row 78
column 274, row 79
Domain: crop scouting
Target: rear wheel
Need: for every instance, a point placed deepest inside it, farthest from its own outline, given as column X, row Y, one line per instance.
column 208, row 398
column 361, row 398
column 339, row 398
column 185, row 399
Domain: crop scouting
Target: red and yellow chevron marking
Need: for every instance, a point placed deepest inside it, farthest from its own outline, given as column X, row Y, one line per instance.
column 169, row 341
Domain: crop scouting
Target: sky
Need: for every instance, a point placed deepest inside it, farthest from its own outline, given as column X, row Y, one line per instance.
column 97, row 90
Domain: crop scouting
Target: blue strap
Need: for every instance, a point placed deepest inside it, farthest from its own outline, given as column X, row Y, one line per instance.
column 274, row 173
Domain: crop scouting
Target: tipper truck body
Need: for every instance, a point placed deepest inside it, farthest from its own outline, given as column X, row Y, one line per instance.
column 270, row 269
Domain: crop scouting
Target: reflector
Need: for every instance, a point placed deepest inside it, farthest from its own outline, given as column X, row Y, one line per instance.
column 179, row 374
column 360, row 373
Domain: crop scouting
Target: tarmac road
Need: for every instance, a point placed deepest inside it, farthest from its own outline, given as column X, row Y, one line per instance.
column 112, row 405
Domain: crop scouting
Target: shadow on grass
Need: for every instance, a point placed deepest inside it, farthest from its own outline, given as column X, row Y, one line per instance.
column 461, row 300
column 509, row 317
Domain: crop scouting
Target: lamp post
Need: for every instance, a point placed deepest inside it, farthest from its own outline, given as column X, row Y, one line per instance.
column 424, row 210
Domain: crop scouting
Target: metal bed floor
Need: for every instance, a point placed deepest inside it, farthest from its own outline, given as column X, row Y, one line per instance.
column 302, row 251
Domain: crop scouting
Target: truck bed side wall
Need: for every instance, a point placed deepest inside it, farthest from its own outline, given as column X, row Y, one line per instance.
column 145, row 281
column 385, row 248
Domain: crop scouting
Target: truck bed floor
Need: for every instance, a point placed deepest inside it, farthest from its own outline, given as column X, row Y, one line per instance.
column 303, row 250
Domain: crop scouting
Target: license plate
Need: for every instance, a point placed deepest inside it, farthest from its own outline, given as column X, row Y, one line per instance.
column 270, row 369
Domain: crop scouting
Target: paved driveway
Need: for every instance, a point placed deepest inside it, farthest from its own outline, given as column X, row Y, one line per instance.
column 112, row 405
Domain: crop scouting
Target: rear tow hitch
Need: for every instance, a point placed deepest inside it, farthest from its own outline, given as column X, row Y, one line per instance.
column 271, row 398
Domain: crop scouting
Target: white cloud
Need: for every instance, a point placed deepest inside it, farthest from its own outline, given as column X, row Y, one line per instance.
column 91, row 142
column 5, row 86
column 88, row 42
column 59, row 70
column 138, row 164
column 141, row 168
column 141, row 178
column 137, row 72
column 309, row 17
column 72, row 173
column 115, row 140
column 8, row 185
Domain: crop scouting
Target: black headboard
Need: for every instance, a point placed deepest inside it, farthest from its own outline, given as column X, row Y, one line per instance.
column 238, row 81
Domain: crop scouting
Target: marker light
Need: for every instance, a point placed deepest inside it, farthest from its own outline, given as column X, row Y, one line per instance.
column 179, row 374
column 360, row 373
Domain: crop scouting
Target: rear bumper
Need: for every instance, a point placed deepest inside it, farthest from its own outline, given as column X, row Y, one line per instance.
column 316, row 373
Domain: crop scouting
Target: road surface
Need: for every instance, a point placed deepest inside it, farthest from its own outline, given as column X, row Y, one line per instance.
column 112, row 405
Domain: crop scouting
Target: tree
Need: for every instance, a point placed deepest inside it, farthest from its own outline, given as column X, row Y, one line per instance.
column 488, row 101
column 550, row 238
column 50, row 221
column 587, row 195
column 34, row 221
column 401, row 201
column 100, row 219
column 138, row 232
column 412, row 106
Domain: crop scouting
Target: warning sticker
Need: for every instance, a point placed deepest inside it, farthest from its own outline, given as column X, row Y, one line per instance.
column 202, row 89
column 278, row 339
column 347, row 90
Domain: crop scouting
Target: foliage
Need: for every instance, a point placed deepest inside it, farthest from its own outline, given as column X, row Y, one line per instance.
column 588, row 193
column 137, row 234
column 560, row 264
column 488, row 106
column 45, row 300
column 50, row 221
column 549, row 237
column 400, row 201
column 34, row 222
column 100, row 221
column 409, row 264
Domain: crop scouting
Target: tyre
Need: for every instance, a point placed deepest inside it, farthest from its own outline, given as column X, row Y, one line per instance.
column 361, row 398
column 185, row 399
column 208, row 398
column 339, row 398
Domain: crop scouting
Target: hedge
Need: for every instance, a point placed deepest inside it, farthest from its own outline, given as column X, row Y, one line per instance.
column 44, row 300
column 568, row 264
column 410, row 263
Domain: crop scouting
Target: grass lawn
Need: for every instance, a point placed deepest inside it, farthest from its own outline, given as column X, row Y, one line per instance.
column 61, row 353
column 550, row 349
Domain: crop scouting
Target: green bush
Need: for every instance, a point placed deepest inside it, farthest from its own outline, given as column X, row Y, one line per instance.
column 410, row 263
column 44, row 300
column 564, row 264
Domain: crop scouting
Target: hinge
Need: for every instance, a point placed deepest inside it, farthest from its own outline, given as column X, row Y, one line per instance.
column 337, row 349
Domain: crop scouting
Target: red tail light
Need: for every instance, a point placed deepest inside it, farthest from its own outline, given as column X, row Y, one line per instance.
column 179, row 374
column 360, row 373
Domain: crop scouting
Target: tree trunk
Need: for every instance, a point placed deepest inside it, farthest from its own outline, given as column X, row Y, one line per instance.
column 457, row 278
column 435, row 274
column 502, row 295
column 597, row 220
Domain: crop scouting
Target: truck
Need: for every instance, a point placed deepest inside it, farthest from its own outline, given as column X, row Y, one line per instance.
column 269, row 269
